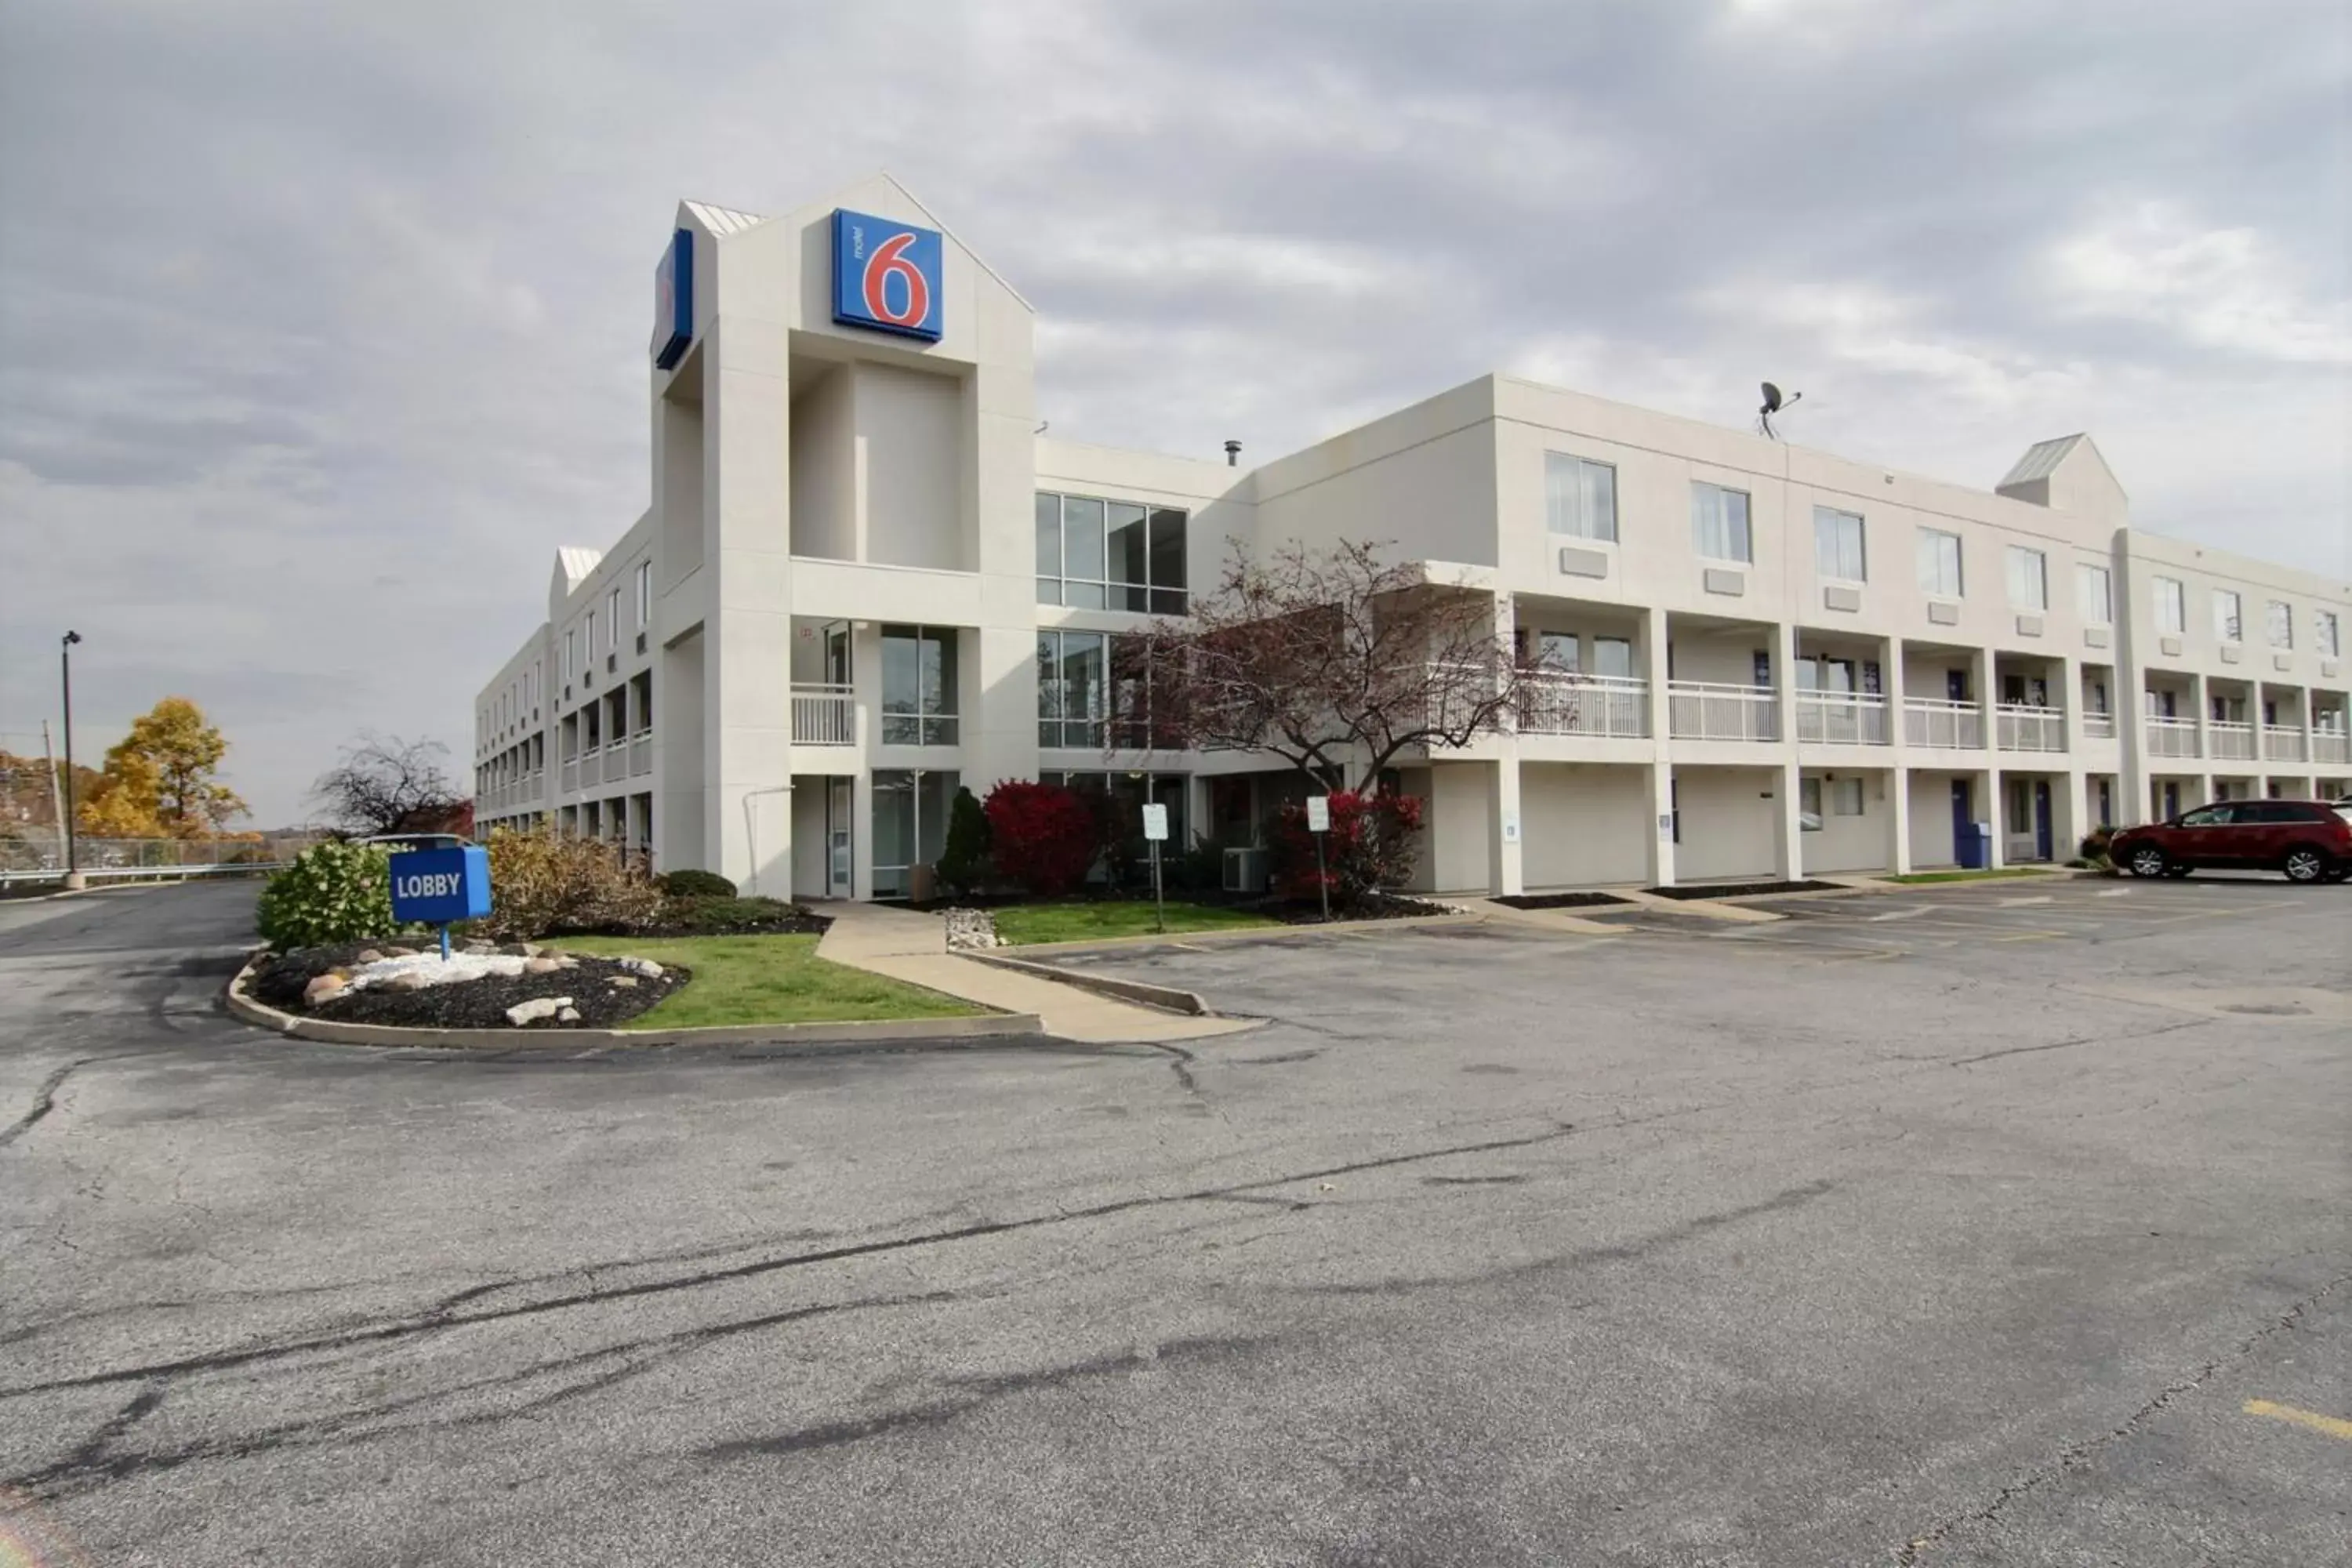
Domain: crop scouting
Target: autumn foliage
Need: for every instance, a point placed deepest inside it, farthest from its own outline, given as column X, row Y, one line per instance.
column 1042, row 835
column 1370, row 847
column 161, row 780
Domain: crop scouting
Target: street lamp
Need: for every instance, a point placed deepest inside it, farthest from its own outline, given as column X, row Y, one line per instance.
column 74, row 878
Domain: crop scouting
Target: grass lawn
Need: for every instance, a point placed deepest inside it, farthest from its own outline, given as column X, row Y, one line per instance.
column 767, row 980
column 1080, row 920
column 1969, row 875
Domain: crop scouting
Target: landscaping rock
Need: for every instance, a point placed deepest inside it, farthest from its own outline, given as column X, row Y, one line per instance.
column 400, row 952
column 645, row 966
column 519, row 948
column 470, row 992
column 541, row 965
column 368, row 956
column 477, row 945
column 625, row 981
column 408, row 983
column 539, row 1007
column 569, row 1016
column 971, row 929
column 325, row 988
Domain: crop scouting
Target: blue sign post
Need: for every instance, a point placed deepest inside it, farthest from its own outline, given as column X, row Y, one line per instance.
column 434, row 887
column 886, row 275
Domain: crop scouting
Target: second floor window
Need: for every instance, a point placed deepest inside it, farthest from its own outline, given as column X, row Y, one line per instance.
column 919, row 685
column 1073, row 688
column 2171, row 606
column 1837, row 545
column 1719, row 524
column 645, row 594
column 2094, row 595
column 1096, row 555
column 2282, row 625
column 2228, row 619
column 1940, row 563
column 2029, row 579
column 1579, row 497
column 2327, row 632
column 613, row 620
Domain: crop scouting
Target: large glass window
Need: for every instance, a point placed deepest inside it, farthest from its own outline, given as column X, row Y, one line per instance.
column 2327, row 631
column 1096, row 554
column 2172, row 605
column 645, row 594
column 2095, row 598
column 919, row 685
column 2281, row 624
column 1073, row 688
column 2029, row 579
column 1719, row 524
column 2228, row 617
column 1940, row 563
column 1837, row 545
column 910, row 824
column 1580, row 497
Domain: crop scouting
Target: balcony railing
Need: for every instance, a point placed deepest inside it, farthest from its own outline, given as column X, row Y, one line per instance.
column 2331, row 746
column 1609, row 705
column 2098, row 726
column 641, row 753
column 2281, row 744
column 1705, row 711
column 571, row 775
column 1842, row 718
column 2024, row 727
column 1941, row 722
column 2172, row 737
column 823, row 714
column 2232, row 740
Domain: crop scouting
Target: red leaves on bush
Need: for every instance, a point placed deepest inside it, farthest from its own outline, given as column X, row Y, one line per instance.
column 1369, row 846
column 1042, row 835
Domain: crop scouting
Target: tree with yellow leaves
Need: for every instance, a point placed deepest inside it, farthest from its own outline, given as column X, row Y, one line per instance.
column 162, row 779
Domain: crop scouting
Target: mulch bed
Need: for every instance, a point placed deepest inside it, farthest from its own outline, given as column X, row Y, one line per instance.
column 1559, row 900
column 1743, row 889
column 1379, row 907
column 466, row 1005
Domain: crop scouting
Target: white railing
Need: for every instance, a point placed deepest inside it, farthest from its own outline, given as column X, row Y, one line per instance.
column 2281, row 744
column 2331, row 746
column 641, row 753
column 571, row 775
column 1940, row 721
column 2098, row 726
column 1842, row 718
column 2172, row 737
column 1705, row 710
column 1610, row 705
column 2232, row 740
column 823, row 715
column 2024, row 727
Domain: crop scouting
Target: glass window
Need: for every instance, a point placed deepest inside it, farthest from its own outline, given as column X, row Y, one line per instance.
column 2172, row 605
column 2229, row 623
column 1130, row 557
column 910, row 824
column 1098, row 555
column 2327, row 631
column 1073, row 669
column 588, row 643
column 1845, row 798
column 1561, row 652
column 2029, row 579
column 1612, row 658
column 2093, row 595
column 1940, row 563
column 1719, row 524
column 645, row 594
column 613, row 618
column 1579, row 497
column 2281, row 624
column 1049, row 549
column 1809, row 805
column 1082, row 552
column 1168, row 583
column 919, row 685
column 569, row 639
column 1837, row 545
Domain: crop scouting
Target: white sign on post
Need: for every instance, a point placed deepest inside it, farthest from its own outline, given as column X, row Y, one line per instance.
column 1155, row 823
column 1319, row 813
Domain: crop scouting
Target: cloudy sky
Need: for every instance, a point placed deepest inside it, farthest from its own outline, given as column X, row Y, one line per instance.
column 321, row 324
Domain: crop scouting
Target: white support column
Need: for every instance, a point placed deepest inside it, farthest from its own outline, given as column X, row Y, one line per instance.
column 1655, row 663
column 1504, row 879
column 1788, row 824
column 1995, row 814
column 1898, row 821
column 2201, row 707
column 1661, row 861
column 1894, row 683
column 1983, row 675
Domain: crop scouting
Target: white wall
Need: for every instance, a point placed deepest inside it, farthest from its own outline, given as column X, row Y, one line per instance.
column 910, row 458
column 1582, row 826
column 809, row 846
column 1931, row 818
column 823, row 463
column 1460, row 819
column 1849, row 843
column 1727, row 826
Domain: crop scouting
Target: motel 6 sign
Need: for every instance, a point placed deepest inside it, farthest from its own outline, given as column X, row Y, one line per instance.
column 886, row 275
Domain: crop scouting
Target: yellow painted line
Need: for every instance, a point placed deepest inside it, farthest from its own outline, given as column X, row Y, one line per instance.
column 2311, row 1418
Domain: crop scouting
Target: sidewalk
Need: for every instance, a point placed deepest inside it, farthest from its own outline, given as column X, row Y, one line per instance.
column 913, row 947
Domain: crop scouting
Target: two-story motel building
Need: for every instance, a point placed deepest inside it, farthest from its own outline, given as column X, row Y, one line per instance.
column 864, row 576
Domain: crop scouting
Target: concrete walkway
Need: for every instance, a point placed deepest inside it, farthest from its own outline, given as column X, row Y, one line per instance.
column 912, row 947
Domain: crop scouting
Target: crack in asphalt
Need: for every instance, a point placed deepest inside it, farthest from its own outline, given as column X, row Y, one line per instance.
column 2063, row 1044
column 45, row 1100
column 2077, row 1456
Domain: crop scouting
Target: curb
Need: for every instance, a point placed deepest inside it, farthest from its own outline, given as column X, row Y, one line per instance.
column 1277, row 932
column 1165, row 998
column 919, row 1033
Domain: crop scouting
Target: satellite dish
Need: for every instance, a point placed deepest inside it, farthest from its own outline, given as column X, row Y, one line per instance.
column 1773, row 403
column 1771, row 398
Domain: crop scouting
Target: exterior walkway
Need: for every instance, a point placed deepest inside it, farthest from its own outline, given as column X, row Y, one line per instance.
column 912, row 947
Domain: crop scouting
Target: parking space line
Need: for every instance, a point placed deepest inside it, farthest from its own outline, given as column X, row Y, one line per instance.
column 2311, row 1418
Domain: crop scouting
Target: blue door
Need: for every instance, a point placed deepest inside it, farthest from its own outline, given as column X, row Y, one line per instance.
column 2042, row 846
column 1964, row 824
column 1956, row 685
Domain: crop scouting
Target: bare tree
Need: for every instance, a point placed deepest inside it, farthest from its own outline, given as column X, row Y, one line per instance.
column 386, row 784
column 1335, row 660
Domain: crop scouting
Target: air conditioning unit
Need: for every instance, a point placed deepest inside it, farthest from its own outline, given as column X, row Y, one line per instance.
column 1246, row 870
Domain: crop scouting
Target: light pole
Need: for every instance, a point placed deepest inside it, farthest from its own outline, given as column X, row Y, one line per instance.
column 74, row 878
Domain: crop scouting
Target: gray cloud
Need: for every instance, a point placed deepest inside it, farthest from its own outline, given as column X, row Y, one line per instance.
column 320, row 327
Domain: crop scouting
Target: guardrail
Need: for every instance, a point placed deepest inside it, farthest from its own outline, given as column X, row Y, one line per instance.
column 2281, row 744
column 1940, row 721
column 2232, row 740
column 135, row 873
column 1614, row 706
column 2171, row 737
column 2030, row 727
column 1713, row 711
column 1842, row 718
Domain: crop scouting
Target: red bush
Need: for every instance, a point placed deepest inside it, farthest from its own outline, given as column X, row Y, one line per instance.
column 1042, row 835
column 1369, row 846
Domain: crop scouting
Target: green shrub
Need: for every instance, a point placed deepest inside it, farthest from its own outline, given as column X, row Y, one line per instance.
column 963, row 862
column 727, row 917
column 545, row 882
column 693, row 884
column 331, row 893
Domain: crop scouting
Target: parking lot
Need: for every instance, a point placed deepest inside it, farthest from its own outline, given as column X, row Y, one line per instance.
column 1843, row 1239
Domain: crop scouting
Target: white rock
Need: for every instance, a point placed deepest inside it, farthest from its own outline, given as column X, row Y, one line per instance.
column 409, row 982
column 569, row 1016
column 541, row 965
column 624, row 982
column 369, row 955
column 400, row 952
column 323, row 988
column 645, row 966
column 538, row 1007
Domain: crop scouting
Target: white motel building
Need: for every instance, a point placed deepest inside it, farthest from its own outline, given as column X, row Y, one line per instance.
column 866, row 577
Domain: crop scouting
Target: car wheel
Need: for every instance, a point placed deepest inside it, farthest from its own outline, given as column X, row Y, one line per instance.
column 2147, row 861
column 2304, row 864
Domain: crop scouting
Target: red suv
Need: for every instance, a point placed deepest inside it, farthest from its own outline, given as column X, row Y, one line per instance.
column 2309, row 841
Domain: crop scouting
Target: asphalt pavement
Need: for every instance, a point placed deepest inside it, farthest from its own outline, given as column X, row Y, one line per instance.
column 1863, row 1241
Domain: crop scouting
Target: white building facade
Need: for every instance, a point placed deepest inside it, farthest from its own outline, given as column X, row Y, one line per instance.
column 865, row 578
